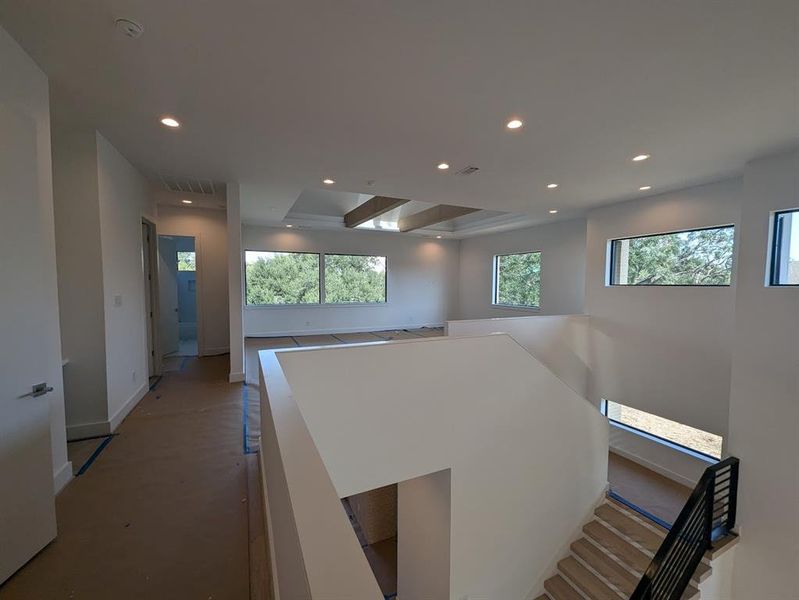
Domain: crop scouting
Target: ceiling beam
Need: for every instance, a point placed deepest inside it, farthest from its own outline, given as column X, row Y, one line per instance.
column 431, row 216
column 370, row 209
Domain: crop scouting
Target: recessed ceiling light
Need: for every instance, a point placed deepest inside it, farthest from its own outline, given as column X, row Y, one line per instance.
column 644, row 188
column 443, row 166
column 328, row 181
column 170, row 122
column 514, row 124
column 438, row 237
column 640, row 157
column 552, row 186
column 289, row 226
column 554, row 211
column 186, row 201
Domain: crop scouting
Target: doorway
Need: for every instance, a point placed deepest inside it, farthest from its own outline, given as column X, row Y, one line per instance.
column 149, row 253
column 179, row 318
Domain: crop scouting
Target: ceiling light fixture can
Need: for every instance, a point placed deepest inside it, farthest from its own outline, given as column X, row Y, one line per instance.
column 186, row 201
column 645, row 188
column 170, row 122
column 514, row 124
column 552, row 186
column 640, row 157
column 553, row 211
column 289, row 226
column 443, row 166
column 328, row 181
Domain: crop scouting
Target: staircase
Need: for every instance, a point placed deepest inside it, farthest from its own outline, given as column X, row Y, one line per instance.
column 608, row 561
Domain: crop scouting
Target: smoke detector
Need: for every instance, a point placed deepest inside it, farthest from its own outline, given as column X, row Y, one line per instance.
column 131, row 29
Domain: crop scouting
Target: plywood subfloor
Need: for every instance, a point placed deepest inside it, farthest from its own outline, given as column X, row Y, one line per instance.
column 656, row 494
column 162, row 512
column 254, row 344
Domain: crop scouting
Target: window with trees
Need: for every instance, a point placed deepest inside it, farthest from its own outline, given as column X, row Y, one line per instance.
column 697, row 257
column 351, row 279
column 517, row 280
column 281, row 278
column 187, row 261
column 683, row 436
column 785, row 248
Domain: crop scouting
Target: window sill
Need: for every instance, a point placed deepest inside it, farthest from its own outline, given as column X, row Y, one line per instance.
column 521, row 308
column 664, row 442
column 307, row 306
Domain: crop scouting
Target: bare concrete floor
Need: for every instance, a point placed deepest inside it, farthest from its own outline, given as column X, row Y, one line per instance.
column 162, row 512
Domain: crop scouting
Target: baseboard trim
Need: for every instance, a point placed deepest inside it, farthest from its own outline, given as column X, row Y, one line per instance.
column 654, row 467
column 331, row 330
column 86, row 430
column 236, row 377
column 216, row 351
column 62, row 477
column 125, row 409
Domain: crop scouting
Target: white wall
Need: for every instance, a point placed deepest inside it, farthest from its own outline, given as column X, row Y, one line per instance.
column 80, row 271
column 561, row 343
column 665, row 350
column 562, row 247
column 124, row 199
column 422, row 282
column 482, row 406
column 423, row 524
column 209, row 229
column 25, row 91
column 764, row 405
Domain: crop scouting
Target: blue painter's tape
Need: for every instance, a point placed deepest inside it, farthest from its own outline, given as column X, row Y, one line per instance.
column 639, row 510
column 95, row 454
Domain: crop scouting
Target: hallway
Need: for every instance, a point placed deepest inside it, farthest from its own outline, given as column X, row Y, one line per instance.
column 163, row 511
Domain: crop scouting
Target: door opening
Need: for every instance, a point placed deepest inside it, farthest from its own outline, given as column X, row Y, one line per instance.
column 149, row 253
column 178, row 299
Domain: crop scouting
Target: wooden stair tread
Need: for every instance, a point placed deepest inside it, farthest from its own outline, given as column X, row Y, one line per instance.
column 591, row 585
column 559, row 589
column 631, row 556
column 629, row 527
column 603, row 564
column 618, row 546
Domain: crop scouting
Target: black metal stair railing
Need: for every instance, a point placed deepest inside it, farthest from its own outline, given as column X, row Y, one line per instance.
column 708, row 516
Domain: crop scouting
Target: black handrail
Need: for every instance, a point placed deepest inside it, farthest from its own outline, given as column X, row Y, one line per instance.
column 708, row 516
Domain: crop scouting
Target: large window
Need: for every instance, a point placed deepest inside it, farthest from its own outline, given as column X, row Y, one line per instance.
column 684, row 436
column 696, row 257
column 281, row 278
column 517, row 280
column 354, row 279
column 785, row 248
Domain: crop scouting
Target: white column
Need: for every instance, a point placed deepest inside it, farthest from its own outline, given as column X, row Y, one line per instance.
column 235, row 288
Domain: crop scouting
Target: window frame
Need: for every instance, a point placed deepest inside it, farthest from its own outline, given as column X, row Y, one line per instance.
column 323, row 279
column 297, row 305
column 495, row 282
column 657, row 438
column 611, row 255
column 177, row 260
column 322, row 303
column 775, row 247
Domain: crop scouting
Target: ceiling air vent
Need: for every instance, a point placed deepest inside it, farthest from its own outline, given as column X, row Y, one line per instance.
column 467, row 171
column 188, row 184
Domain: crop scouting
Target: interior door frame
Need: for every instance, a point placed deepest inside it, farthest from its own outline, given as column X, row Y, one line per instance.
column 155, row 304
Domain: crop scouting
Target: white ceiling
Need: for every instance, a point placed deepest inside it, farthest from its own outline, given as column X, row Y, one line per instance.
column 280, row 94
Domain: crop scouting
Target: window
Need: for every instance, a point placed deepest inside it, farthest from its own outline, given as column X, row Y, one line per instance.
column 281, row 278
column 684, row 436
column 517, row 280
column 785, row 248
column 695, row 257
column 186, row 261
column 354, row 279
